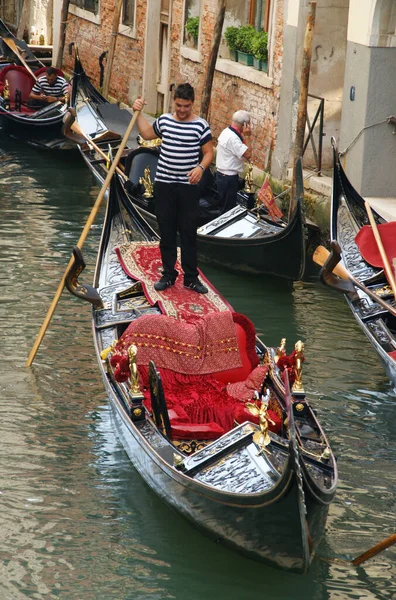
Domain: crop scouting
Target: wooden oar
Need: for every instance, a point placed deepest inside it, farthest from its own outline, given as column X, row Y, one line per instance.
column 385, row 261
column 12, row 45
column 82, row 239
column 375, row 550
column 322, row 255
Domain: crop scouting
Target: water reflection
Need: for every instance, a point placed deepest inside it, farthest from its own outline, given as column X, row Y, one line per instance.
column 77, row 521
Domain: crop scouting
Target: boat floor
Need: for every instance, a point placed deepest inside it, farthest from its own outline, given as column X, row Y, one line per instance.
column 117, row 119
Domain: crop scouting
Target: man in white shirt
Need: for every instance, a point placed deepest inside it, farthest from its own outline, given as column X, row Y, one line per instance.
column 233, row 148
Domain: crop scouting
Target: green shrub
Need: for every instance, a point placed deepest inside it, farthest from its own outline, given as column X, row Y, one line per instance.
column 230, row 35
column 260, row 45
column 245, row 38
column 192, row 27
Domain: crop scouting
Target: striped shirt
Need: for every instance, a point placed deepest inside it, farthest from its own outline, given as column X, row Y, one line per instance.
column 181, row 144
column 59, row 88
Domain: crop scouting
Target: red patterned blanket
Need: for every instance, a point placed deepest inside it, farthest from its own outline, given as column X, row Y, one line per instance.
column 142, row 261
column 208, row 345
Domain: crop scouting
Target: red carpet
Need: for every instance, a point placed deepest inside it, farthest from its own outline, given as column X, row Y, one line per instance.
column 142, row 262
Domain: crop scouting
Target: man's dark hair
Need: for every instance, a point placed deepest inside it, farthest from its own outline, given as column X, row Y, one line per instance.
column 51, row 71
column 184, row 91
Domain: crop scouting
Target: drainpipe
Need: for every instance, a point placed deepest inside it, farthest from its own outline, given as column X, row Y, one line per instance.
column 101, row 67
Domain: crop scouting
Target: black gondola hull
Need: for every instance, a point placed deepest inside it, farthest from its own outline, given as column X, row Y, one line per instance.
column 348, row 215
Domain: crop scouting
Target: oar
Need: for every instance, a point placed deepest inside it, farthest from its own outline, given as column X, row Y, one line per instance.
column 322, row 255
column 385, row 261
column 375, row 550
column 12, row 45
column 82, row 239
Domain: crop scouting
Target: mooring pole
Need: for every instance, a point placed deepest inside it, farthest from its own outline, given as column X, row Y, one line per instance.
column 207, row 89
column 303, row 97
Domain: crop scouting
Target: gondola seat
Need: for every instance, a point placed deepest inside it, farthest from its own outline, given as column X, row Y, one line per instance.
column 20, row 84
column 197, row 405
column 141, row 160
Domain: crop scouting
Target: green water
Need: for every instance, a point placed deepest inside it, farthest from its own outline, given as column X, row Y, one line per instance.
column 76, row 520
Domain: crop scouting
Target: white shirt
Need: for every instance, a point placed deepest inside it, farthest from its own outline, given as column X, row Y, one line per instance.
column 230, row 150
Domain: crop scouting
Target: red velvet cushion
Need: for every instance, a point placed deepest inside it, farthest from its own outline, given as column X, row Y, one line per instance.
column 194, row 431
column 177, row 413
column 239, row 374
column 246, row 337
column 18, row 78
column 242, row 414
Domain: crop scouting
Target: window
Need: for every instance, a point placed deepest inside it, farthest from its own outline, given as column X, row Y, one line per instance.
column 191, row 23
column 128, row 12
column 259, row 14
column 89, row 5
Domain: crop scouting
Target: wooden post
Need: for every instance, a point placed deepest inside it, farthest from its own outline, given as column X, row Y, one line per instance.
column 303, row 98
column 62, row 33
column 207, row 90
column 113, row 40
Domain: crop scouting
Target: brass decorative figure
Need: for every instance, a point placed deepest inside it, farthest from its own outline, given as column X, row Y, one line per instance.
column 135, row 388
column 326, row 454
column 6, row 90
column 149, row 143
column 298, row 387
column 261, row 438
column 249, row 179
column 147, row 183
column 281, row 350
column 178, row 462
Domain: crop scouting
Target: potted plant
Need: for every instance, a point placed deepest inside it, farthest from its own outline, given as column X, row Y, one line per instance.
column 230, row 35
column 260, row 50
column 192, row 29
column 244, row 40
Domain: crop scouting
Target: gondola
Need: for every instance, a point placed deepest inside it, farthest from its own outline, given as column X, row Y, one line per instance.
column 242, row 240
column 40, row 128
column 367, row 292
column 8, row 56
column 227, row 446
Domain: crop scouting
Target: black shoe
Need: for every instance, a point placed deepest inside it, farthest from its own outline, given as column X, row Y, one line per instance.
column 196, row 286
column 164, row 283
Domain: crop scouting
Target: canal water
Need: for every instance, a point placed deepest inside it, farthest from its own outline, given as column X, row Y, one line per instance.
column 76, row 520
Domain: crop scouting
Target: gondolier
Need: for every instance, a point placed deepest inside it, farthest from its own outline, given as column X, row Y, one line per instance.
column 48, row 88
column 185, row 137
column 233, row 149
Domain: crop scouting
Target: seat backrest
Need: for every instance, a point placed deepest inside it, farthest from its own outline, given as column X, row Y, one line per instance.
column 18, row 78
column 139, row 163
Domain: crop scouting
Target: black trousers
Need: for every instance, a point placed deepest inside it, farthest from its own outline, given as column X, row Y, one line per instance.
column 227, row 187
column 176, row 209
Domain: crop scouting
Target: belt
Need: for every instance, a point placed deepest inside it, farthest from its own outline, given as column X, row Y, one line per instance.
column 224, row 175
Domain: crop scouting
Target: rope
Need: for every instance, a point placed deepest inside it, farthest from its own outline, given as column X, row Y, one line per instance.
column 360, row 133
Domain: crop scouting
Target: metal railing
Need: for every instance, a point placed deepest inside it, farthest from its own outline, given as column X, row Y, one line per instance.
column 317, row 151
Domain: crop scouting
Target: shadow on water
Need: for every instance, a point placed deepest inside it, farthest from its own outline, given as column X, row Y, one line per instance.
column 76, row 520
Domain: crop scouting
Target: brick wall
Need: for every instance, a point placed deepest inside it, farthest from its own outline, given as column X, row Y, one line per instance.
column 92, row 40
column 231, row 93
